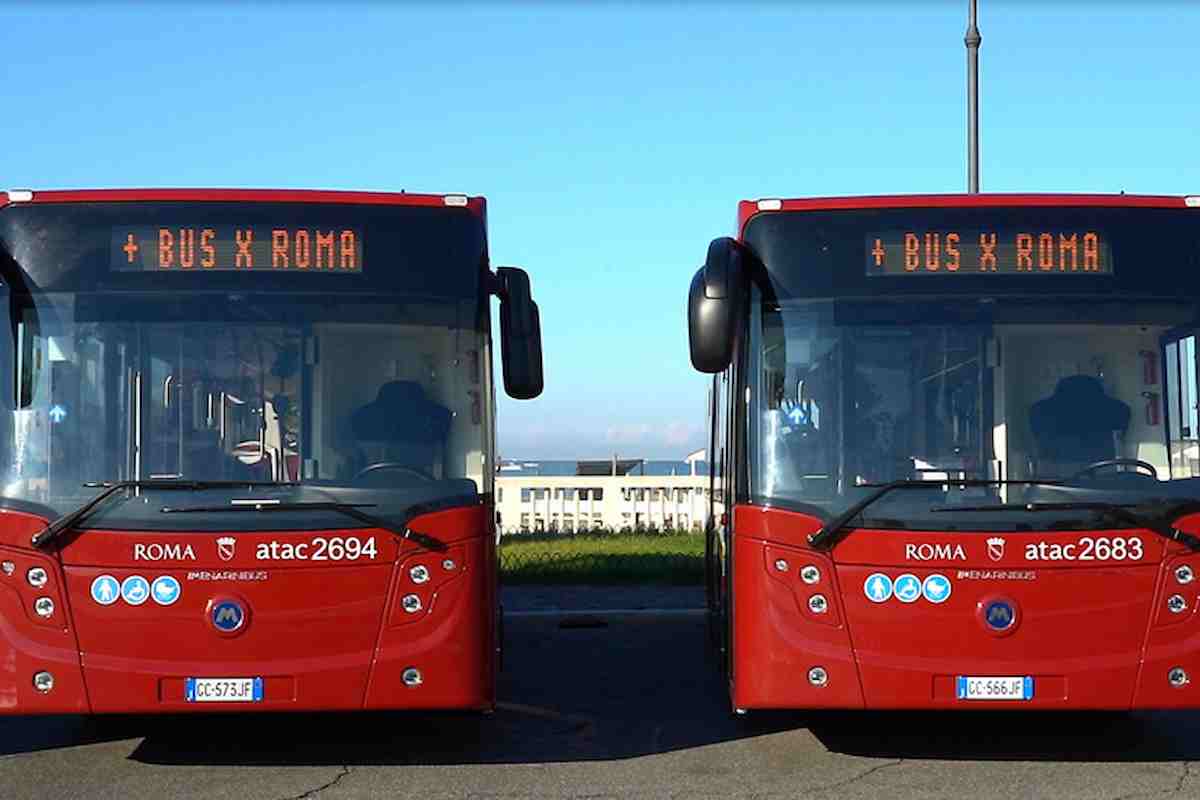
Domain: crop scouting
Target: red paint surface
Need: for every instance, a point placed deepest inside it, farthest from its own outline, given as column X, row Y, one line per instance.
column 323, row 635
column 1093, row 634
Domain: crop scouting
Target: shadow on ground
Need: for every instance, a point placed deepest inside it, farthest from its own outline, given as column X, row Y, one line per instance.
column 608, row 689
column 1012, row 736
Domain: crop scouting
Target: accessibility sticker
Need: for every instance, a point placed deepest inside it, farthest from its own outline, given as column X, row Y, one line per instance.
column 164, row 590
column 936, row 588
column 878, row 587
column 135, row 590
column 908, row 588
column 105, row 590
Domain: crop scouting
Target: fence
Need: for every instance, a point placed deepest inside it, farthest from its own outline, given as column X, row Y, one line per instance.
column 670, row 557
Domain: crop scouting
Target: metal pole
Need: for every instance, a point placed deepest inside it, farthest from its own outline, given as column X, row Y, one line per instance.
column 972, row 40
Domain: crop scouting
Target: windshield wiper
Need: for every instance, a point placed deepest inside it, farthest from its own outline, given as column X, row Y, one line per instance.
column 111, row 488
column 349, row 509
column 1160, row 523
column 831, row 532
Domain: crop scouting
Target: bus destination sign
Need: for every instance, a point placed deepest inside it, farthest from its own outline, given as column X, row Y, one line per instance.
column 236, row 248
column 984, row 252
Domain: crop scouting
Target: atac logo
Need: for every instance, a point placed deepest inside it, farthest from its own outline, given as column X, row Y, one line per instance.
column 995, row 547
column 226, row 548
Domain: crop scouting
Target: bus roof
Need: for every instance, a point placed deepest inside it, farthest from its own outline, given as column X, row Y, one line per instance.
column 748, row 208
column 474, row 203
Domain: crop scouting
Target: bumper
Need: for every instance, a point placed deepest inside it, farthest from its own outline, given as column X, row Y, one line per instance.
column 778, row 640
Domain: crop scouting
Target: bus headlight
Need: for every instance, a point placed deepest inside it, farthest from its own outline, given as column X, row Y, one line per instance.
column 1177, row 677
column 8, row 567
column 817, row 676
column 1176, row 604
column 37, row 577
column 43, row 682
column 411, row 603
column 818, row 604
column 1184, row 574
column 810, row 574
column 411, row 677
column 419, row 573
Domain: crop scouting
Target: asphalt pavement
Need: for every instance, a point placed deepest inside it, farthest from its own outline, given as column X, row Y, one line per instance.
column 596, row 705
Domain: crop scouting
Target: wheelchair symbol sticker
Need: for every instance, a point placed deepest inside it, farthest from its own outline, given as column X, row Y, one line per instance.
column 135, row 590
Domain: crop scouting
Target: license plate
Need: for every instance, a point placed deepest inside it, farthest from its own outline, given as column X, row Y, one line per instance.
column 972, row 687
column 223, row 690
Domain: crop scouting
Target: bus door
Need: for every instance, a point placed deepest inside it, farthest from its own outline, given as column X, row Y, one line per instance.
column 1178, row 402
column 161, row 442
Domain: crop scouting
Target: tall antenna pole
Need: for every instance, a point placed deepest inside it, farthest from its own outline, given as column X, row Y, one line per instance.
column 972, row 40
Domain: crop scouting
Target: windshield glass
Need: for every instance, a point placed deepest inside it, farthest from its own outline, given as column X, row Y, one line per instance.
column 362, row 399
column 1099, row 396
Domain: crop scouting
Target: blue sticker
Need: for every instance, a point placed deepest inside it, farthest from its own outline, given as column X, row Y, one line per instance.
column 878, row 587
column 908, row 588
column 936, row 588
column 165, row 590
column 135, row 590
column 999, row 615
column 228, row 616
column 105, row 590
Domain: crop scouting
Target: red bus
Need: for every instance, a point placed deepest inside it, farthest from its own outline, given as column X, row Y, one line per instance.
column 957, row 447
column 247, row 450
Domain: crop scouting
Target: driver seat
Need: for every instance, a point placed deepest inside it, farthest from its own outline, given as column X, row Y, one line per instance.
column 1076, row 426
column 401, row 425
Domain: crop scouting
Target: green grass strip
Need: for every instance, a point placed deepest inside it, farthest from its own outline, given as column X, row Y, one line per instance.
column 603, row 558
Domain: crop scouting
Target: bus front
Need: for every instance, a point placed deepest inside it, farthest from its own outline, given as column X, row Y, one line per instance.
column 246, row 459
column 957, row 438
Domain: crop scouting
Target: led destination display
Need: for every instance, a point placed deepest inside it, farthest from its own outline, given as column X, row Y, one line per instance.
column 224, row 248
column 984, row 252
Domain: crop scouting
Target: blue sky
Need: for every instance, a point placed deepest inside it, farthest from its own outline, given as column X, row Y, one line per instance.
column 613, row 141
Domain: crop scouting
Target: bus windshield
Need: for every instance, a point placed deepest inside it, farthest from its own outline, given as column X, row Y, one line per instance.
column 1066, row 391
column 1042, row 343
column 338, row 394
column 373, row 391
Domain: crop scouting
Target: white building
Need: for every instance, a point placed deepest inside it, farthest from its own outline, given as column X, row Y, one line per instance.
column 614, row 494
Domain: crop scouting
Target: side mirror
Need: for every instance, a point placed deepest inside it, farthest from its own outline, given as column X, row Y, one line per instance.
column 716, row 303
column 520, row 335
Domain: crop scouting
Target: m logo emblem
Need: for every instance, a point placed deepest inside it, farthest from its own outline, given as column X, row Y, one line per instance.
column 999, row 615
column 995, row 547
column 227, row 616
column 225, row 547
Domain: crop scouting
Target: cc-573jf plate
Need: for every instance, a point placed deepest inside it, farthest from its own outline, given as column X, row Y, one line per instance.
column 223, row 690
